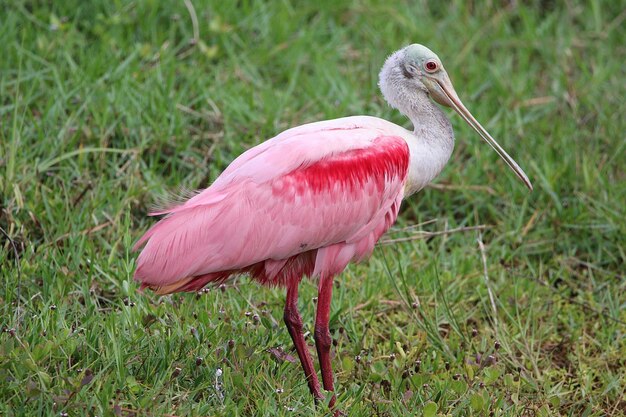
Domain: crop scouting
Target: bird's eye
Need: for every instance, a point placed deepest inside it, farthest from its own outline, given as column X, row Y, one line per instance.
column 431, row 66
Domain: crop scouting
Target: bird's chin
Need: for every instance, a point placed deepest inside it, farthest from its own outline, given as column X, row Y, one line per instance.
column 436, row 92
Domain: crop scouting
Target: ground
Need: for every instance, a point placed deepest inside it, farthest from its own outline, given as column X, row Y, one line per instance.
column 497, row 302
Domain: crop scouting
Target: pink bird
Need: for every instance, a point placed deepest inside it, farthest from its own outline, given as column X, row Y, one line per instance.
column 311, row 200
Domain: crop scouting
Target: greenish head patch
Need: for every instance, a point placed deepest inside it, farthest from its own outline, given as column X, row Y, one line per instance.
column 417, row 54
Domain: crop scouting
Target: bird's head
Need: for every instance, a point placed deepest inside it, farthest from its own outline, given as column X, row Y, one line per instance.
column 414, row 72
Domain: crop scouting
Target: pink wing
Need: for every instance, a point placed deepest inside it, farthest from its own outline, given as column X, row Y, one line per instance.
column 333, row 188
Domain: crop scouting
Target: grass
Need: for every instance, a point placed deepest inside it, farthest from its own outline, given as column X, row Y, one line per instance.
column 106, row 105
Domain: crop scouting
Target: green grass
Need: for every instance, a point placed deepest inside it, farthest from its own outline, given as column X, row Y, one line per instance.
column 106, row 105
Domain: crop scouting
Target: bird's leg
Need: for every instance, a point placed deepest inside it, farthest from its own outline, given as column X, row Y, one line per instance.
column 293, row 321
column 322, row 334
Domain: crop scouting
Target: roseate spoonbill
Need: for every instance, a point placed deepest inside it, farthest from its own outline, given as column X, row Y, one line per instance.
column 311, row 200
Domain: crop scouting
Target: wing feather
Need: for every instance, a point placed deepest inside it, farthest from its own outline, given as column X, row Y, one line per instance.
column 295, row 193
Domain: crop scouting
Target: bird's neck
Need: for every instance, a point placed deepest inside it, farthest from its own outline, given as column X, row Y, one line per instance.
column 425, row 112
column 432, row 140
column 429, row 121
column 431, row 145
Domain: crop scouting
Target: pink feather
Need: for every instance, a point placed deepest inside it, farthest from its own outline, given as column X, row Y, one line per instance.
column 306, row 202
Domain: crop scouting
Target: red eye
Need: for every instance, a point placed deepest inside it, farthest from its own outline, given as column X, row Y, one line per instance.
column 431, row 66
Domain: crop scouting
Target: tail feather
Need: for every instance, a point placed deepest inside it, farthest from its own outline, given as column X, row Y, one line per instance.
column 188, row 284
column 270, row 272
column 170, row 288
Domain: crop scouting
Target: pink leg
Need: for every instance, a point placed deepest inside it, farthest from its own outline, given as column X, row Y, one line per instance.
column 293, row 321
column 322, row 334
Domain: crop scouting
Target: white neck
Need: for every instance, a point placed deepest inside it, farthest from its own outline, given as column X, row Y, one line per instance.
column 432, row 141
